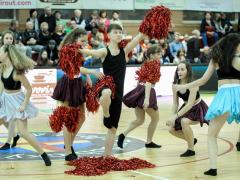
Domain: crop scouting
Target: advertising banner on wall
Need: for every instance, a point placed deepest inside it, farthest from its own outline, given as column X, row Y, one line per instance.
column 18, row 4
column 43, row 82
column 147, row 4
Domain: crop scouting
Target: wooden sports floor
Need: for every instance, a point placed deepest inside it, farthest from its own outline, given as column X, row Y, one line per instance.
column 19, row 165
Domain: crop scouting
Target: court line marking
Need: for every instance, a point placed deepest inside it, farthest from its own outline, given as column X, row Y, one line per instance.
column 149, row 175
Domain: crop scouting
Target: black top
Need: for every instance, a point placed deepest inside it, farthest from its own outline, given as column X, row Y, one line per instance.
column 185, row 96
column 232, row 74
column 9, row 82
column 115, row 66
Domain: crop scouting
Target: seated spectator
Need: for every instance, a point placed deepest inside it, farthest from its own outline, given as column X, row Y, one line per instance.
column 92, row 21
column 208, row 29
column 103, row 18
column 78, row 18
column 59, row 34
column 49, row 18
column 116, row 19
column 43, row 59
column 193, row 47
column 226, row 24
column 176, row 45
column 52, row 51
column 30, row 38
column 34, row 19
column 44, row 34
column 181, row 56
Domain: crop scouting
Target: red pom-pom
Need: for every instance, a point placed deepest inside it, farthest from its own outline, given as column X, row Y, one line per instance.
column 92, row 103
column 156, row 22
column 70, row 59
column 149, row 72
column 123, row 43
column 65, row 116
column 95, row 166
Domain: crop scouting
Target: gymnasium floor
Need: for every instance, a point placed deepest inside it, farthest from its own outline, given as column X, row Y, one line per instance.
column 23, row 162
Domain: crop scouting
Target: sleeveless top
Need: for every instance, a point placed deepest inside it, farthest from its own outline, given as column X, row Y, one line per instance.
column 115, row 66
column 232, row 74
column 9, row 83
column 185, row 96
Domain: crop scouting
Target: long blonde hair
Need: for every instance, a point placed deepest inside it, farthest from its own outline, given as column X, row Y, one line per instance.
column 21, row 62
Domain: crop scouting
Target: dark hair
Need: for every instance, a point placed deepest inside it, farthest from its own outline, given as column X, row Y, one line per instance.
column 13, row 22
column 114, row 27
column 223, row 52
column 151, row 50
column 101, row 12
column 39, row 59
column 31, row 12
column 189, row 73
column 179, row 51
column 117, row 12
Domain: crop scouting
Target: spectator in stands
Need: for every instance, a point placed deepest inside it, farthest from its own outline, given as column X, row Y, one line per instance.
column 171, row 33
column 193, row 47
column 104, row 19
column 181, row 56
column 30, row 38
column 92, row 21
column 33, row 17
column 52, row 51
column 78, row 18
column 166, row 55
column 176, row 45
column 59, row 34
column 59, row 19
column 218, row 24
column 18, row 38
column 49, row 18
column 115, row 18
column 43, row 59
column 208, row 29
column 226, row 24
column 44, row 34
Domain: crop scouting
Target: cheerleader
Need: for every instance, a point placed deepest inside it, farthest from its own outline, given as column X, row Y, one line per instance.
column 225, row 58
column 143, row 97
column 15, row 105
column 191, row 112
column 70, row 90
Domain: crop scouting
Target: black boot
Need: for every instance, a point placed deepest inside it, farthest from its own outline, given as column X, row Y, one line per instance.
column 238, row 146
column 152, row 145
column 5, row 146
column 46, row 159
column 195, row 141
column 15, row 140
column 70, row 157
column 211, row 172
column 73, row 152
column 188, row 153
column 120, row 141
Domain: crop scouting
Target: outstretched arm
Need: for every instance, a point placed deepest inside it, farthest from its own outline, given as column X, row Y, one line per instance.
column 203, row 80
column 99, row 53
column 86, row 71
column 132, row 44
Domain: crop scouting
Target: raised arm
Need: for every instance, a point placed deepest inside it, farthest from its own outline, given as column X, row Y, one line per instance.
column 203, row 80
column 132, row 44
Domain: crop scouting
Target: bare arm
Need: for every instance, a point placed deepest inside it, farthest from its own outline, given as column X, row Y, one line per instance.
column 175, row 103
column 99, row 53
column 203, row 80
column 190, row 103
column 22, row 78
column 86, row 71
column 132, row 44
